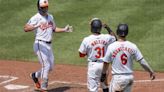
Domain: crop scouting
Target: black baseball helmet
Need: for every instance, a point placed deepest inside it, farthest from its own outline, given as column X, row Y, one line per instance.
column 96, row 25
column 122, row 30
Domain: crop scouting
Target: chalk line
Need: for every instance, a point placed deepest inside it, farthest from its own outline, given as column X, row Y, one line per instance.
column 11, row 78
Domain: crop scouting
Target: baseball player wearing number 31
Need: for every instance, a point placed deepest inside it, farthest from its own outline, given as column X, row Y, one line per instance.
column 121, row 54
column 43, row 25
column 94, row 47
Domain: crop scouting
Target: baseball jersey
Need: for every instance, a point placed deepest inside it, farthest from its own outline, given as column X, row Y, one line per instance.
column 46, row 28
column 94, row 46
column 121, row 55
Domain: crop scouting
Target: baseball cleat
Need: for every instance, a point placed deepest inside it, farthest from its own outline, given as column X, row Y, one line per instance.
column 35, row 80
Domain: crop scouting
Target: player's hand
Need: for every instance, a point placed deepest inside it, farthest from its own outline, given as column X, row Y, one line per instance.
column 68, row 28
column 152, row 76
column 107, row 28
column 105, row 25
column 103, row 77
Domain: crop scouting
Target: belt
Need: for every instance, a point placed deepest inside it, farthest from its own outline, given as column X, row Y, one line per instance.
column 96, row 61
column 45, row 41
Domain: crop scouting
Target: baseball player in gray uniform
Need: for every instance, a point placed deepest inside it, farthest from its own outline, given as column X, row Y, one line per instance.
column 121, row 54
column 94, row 47
column 43, row 25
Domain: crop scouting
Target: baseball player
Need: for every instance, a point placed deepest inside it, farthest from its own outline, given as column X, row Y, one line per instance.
column 121, row 54
column 43, row 25
column 94, row 47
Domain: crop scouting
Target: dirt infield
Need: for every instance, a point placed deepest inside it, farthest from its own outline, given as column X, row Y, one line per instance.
column 14, row 77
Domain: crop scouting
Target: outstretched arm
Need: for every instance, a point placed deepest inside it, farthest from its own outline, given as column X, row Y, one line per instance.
column 146, row 66
column 67, row 28
column 109, row 30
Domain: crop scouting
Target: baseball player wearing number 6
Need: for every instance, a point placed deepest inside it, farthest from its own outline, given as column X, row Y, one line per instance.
column 43, row 25
column 94, row 47
column 121, row 54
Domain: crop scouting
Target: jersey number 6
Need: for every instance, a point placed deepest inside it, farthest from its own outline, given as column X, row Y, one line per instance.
column 100, row 52
column 124, row 58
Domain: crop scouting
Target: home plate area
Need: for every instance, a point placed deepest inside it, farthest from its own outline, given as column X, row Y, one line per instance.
column 62, row 86
column 65, row 78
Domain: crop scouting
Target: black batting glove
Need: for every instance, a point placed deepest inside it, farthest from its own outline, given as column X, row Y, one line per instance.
column 107, row 28
column 103, row 77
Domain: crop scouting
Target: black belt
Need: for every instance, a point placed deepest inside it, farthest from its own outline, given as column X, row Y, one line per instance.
column 45, row 41
column 96, row 61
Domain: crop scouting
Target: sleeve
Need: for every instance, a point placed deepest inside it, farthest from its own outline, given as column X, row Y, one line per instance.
column 53, row 21
column 83, row 47
column 107, row 57
column 112, row 39
column 145, row 65
column 33, row 21
column 138, row 55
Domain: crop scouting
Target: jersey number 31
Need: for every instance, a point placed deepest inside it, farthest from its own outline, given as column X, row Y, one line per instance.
column 100, row 52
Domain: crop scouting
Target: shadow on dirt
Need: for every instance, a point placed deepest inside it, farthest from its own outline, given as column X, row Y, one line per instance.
column 59, row 89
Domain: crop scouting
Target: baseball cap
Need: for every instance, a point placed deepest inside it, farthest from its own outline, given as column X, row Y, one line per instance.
column 43, row 3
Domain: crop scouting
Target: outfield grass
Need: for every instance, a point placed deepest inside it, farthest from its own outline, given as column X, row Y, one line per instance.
column 145, row 19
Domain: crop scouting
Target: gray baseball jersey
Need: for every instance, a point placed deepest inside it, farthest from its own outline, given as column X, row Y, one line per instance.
column 121, row 54
column 95, row 46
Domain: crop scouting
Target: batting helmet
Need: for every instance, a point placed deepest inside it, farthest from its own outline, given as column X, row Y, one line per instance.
column 96, row 25
column 122, row 30
column 41, row 4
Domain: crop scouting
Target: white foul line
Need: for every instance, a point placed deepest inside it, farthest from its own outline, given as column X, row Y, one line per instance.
column 11, row 78
column 84, row 84
column 156, row 80
column 64, row 82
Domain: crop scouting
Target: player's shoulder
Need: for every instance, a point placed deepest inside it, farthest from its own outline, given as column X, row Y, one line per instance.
column 104, row 35
column 107, row 35
column 114, row 43
column 36, row 16
column 88, row 38
column 131, row 44
column 50, row 15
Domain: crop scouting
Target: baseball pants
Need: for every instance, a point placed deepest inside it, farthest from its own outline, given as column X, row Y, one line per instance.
column 94, row 74
column 46, row 58
column 121, row 83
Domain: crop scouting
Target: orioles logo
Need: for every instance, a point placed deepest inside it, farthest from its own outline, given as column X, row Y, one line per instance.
column 45, row 26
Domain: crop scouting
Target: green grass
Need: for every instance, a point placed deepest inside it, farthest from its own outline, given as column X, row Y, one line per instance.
column 144, row 17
